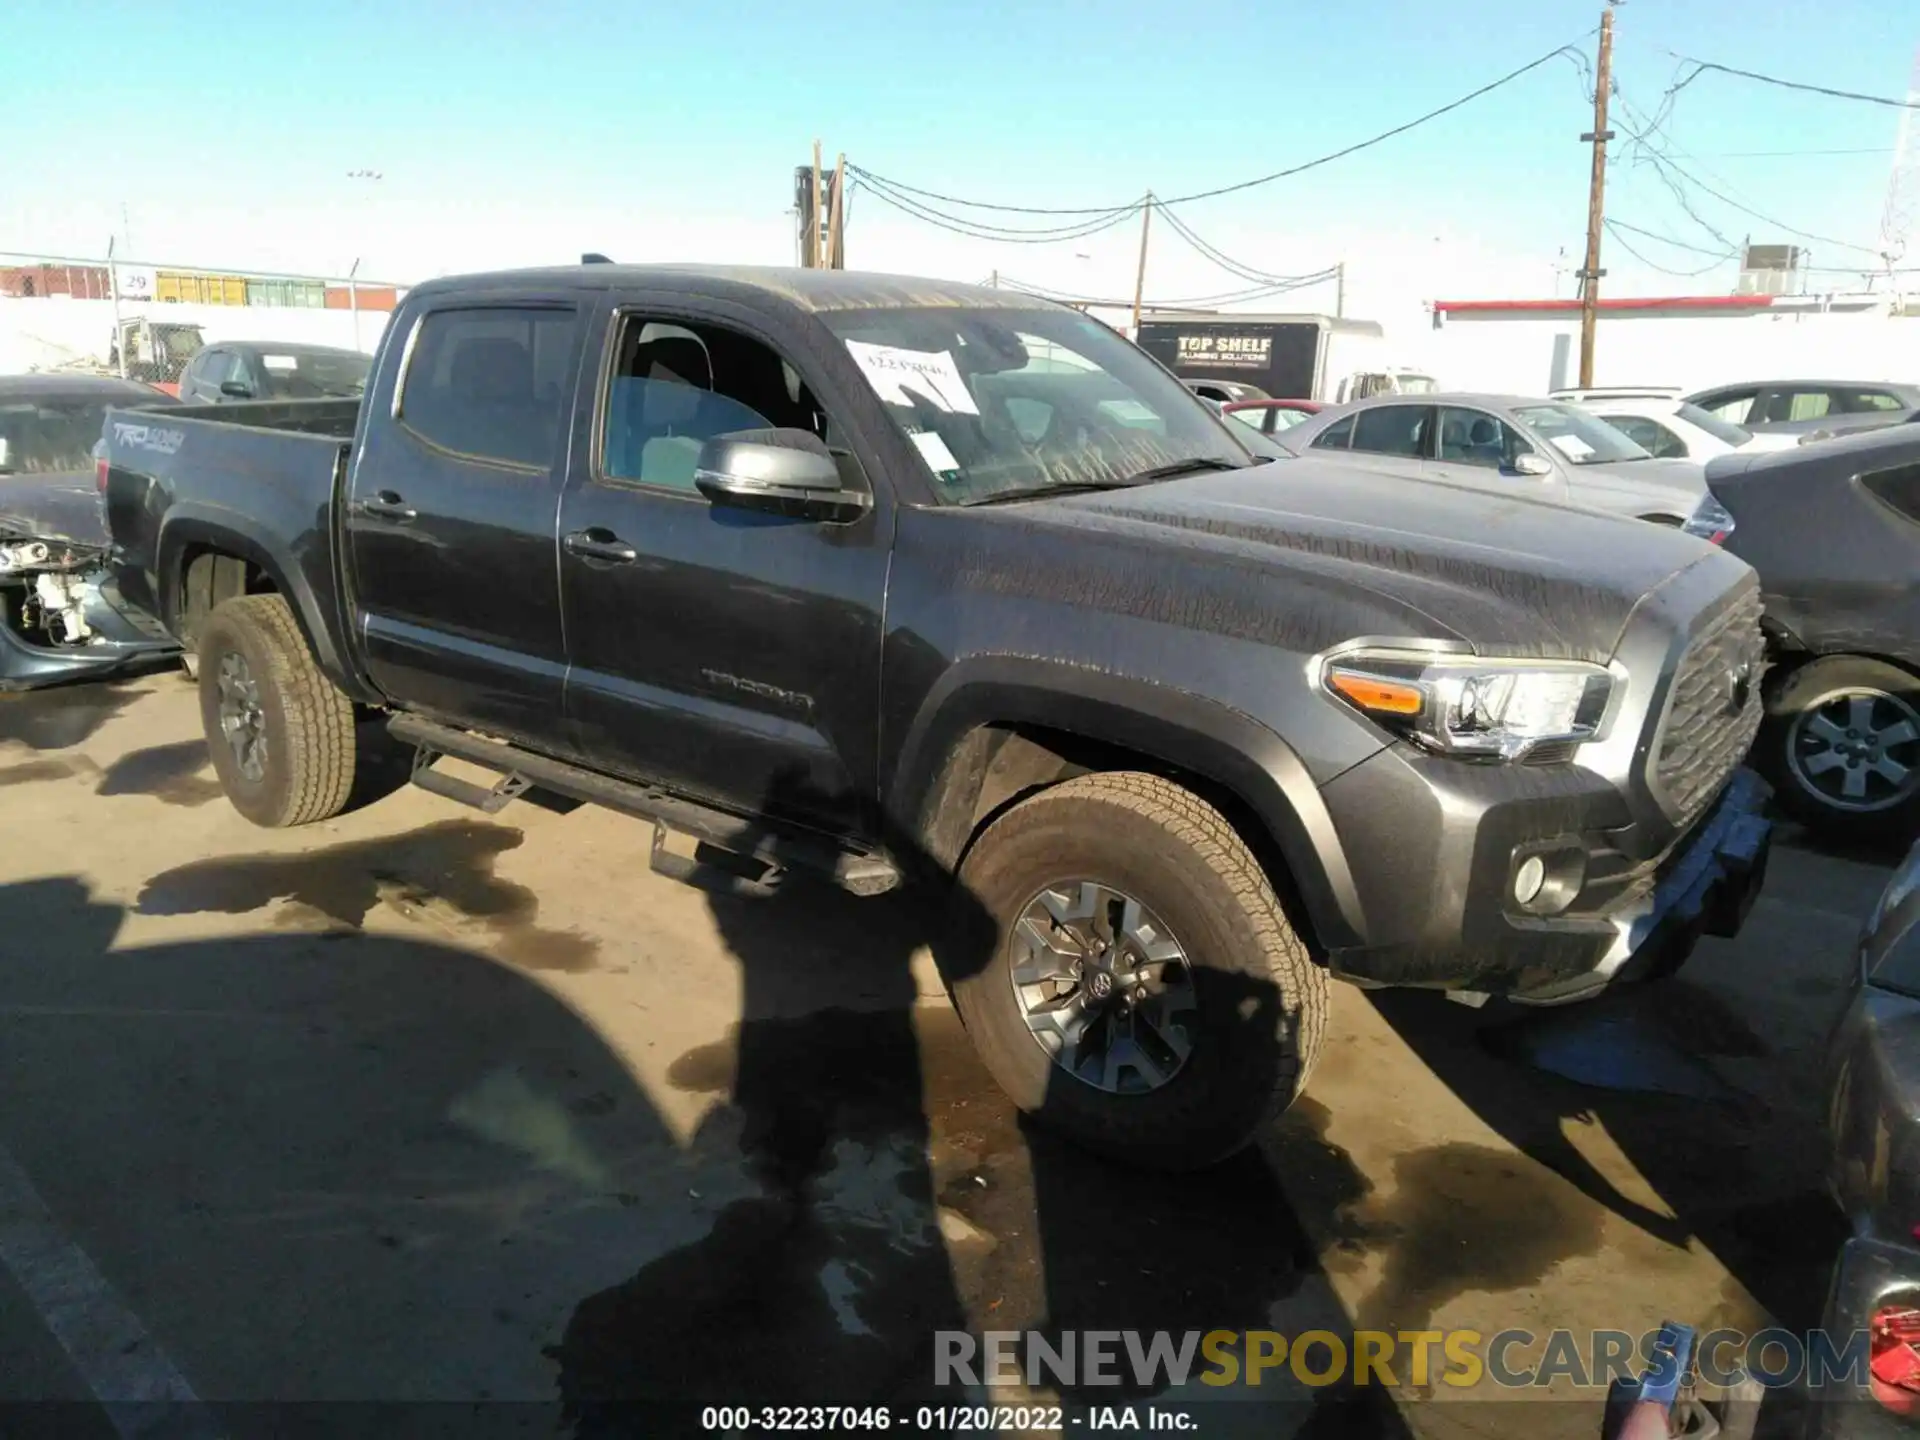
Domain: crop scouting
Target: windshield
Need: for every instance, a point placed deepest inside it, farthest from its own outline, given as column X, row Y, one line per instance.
column 1000, row 402
column 309, row 376
column 51, row 436
column 1580, row 437
column 1706, row 420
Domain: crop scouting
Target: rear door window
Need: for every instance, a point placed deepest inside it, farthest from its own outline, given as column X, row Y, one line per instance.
column 1393, row 430
column 492, row 384
column 1337, row 436
column 1649, row 435
column 1734, row 406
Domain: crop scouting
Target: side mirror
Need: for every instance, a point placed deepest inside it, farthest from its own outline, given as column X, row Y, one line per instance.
column 788, row 473
column 236, row 389
column 1538, row 466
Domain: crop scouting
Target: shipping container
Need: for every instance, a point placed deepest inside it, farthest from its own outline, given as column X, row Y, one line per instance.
column 367, row 297
column 231, row 290
column 266, row 292
column 82, row 282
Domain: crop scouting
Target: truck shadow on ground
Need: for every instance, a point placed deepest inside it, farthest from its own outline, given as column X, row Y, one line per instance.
column 383, row 1128
column 899, row 1194
column 1736, row 1169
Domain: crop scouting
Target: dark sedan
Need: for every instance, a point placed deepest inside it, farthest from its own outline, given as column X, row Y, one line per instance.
column 59, row 618
column 258, row 370
column 1834, row 530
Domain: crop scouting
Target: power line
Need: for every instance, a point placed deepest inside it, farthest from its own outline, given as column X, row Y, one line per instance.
column 1230, row 298
column 999, row 234
column 1613, row 224
column 1672, row 172
column 1796, row 154
column 1226, row 262
column 1701, row 67
column 1568, row 50
column 1614, row 228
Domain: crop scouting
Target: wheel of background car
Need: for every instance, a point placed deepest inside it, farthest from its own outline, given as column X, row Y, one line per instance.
column 279, row 733
column 1127, row 974
column 1841, row 744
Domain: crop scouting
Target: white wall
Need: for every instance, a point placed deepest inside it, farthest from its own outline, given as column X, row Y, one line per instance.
column 1529, row 354
column 41, row 332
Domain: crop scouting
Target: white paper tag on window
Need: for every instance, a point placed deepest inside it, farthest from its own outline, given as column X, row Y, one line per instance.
column 280, row 362
column 930, row 375
column 1571, row 446
column 935, row 452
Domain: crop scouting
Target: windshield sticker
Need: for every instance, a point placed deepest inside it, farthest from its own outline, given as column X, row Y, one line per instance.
column 901, row 377
column 935, row 452
column 1571, row 446
column 280, row 362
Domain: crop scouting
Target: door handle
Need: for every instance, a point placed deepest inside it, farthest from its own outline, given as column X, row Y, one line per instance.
column 388, row 506
column 598, row 544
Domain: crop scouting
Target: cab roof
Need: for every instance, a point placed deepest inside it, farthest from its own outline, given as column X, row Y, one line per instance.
column 818, row 291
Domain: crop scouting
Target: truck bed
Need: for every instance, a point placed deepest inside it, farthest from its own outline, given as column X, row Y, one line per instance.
column 263, row 469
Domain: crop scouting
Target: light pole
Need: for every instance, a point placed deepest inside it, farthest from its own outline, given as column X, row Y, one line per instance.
column 353, row 288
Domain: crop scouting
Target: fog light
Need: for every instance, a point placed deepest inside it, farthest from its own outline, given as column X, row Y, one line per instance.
column 1528, row 879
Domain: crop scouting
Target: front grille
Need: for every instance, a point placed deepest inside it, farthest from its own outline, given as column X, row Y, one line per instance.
column 1705, row 734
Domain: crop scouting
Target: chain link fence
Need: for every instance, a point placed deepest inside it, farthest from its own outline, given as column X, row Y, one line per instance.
column 145, row 321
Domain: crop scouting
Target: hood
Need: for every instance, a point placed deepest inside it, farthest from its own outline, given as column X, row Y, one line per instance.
column 1668, row 486
column 1300, row 552
column 53, row 507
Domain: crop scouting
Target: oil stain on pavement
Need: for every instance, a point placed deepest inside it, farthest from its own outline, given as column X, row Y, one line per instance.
column 179, row 774
column 442, row 874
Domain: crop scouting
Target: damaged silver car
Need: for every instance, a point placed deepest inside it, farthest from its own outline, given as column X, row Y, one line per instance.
column 60, row 618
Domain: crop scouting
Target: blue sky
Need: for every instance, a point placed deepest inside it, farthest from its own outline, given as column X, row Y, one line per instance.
column 516, row 133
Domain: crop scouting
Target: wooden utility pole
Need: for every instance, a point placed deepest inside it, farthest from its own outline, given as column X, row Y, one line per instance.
column 1591, row 272
column 813, row 216
column 1140, row 275
column 836, row 231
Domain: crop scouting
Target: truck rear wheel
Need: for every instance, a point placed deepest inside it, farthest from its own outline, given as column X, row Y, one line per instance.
column 279, row 733
column 1132, row 980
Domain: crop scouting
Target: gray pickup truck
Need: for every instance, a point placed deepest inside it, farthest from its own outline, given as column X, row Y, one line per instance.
column 881, row 578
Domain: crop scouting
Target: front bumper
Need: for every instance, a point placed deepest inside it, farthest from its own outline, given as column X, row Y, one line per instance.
column 1443, row 843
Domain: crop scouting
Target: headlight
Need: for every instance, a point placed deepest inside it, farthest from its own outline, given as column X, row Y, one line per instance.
column 1468, row 705
column 1710, row 520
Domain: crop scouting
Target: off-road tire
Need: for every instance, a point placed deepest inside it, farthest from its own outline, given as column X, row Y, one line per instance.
column 309, row 766
column 1262, row 1000
column 1803, row 688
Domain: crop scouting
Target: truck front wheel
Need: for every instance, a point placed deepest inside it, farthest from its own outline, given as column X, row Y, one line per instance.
column 1130, row 978
column 279, row 733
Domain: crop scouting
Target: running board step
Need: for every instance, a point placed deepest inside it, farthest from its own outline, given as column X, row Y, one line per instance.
column 503, row 793
column 862, row 873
